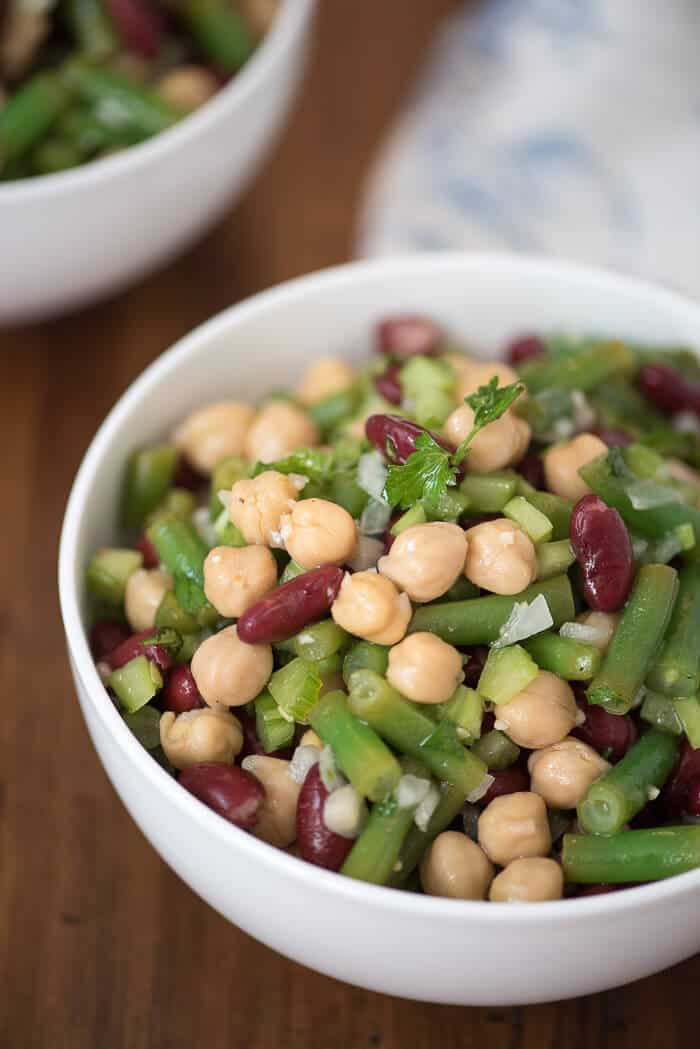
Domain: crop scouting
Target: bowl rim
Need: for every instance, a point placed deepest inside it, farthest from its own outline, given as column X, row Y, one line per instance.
column 288, row 25
column 70, row 581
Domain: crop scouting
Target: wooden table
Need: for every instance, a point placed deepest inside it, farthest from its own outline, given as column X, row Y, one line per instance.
column 101, row 947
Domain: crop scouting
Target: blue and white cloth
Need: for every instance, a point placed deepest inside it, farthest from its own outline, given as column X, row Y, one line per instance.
column 569, row 128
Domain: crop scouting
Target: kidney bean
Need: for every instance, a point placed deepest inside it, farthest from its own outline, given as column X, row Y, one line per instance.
column 399, row 435
column 506, row 781
column 105, row 636
column 668, row 389
column 611, row 735
column 488, row 721
column 478, row 654
column 692, row 798
column 524, row 348
column 231, row 792
column 675, row 792
column 613, row 436
column 139, row 24
column 531, row 468
column 148, row 551
column 187, row 477
column 180, row 692
column 316, row 843
column 292, row 606
column 132, row 647
column 598, row 890
column 603, row 549
column 389, row 385
column 410, row 335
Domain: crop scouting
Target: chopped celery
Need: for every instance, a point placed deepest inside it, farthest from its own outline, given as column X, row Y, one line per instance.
column 489, row 493
column 507, row 671
column 295, row 687
column 688, row 710
column 109, row 571
column 465, row 709
column 428, row 385
column 136, row 683
column 317, row 641
column 274, row 730
column 226, row 532
column 291, row 571
column 145, row 725
column 226, row 473
column 532, row 521
column 171, row 614
column 496, row 750
column 415, row 516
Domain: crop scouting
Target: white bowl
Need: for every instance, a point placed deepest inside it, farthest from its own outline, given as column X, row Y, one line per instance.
column 72, row 237
column 400, row 943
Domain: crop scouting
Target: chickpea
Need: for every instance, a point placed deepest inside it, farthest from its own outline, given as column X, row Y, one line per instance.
column 143, row 594
column 513, row 826
column 500, row 443
column 324, row 377
column 500, row 558
column 187, row 87
column 563, row 772
column 471, row 374
column 425, row 560
column 256, row 506
column 228, row 672
column 563, row 462
column 528, row 880
column 317, row 532
column 213, row 432
column 369, row 606
column 425, row 668
column 604, row 622
column 277, row 820
column 455, row 866
column 235, row 578
column 542, row 714
column 278, row 429
column 200, row 735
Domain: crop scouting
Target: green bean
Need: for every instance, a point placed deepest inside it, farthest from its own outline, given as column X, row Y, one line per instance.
column 92, row 28
column 417, row 841
column 676, row 671
column 149, row 474
column 221, row 33
column 636, row 640
column 28, row 114
column 409, row 730
column 554, row 558
column 361, row 754
column 626, row 788
column 171, row 614
column 563, row 656
column 225, row 474
column 489, row 493
column 496, row 750
column 182, row 551
column 130, row 105
column 588, row 368
column 688, row 710
column 660, row 712
column 478, row 621
column 375, row 854
column 631, row 856
column 364, row 655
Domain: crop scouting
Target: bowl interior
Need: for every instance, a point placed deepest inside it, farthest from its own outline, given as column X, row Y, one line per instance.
column 263, row 344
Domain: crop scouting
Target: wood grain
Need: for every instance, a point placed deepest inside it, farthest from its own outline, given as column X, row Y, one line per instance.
column 100, row 944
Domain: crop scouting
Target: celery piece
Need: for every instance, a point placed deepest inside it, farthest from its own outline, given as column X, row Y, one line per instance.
column 688, row 710
column 415, row 516
column 507, row 671
column 109, row 571
column 145, row 725
column 274, row 730
column 532, row 521
column 465, row 709
column 428, row 385
column 490, row 493
column 295, row 687
column 136, row 683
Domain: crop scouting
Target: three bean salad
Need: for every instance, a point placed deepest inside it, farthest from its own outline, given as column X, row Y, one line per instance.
column 433, row 623
column 82, row 79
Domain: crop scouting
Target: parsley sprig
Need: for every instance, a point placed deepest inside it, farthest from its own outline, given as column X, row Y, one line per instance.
column 430, row 470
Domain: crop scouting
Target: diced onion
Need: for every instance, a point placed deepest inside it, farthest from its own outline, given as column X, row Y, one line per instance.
column 331, row 777
column 375, row 518
column 368, row 552
column 686, row 422
column 647, row 494
column 479, row 791
column 653, row 793
column 224, row 497
column 344, row 811
column 425, row 810
column 584, row 416
column 587, row 635
column 303, row 759
column 371, row 475
column 524, row 621
column 411, row 790
column 204, row 526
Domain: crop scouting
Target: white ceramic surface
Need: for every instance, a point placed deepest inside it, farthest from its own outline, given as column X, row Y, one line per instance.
column 399, row 943
column 69, row 238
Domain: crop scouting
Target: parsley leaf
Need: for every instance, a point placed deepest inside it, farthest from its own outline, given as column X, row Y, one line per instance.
column 430, row 470
column 425, row 475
